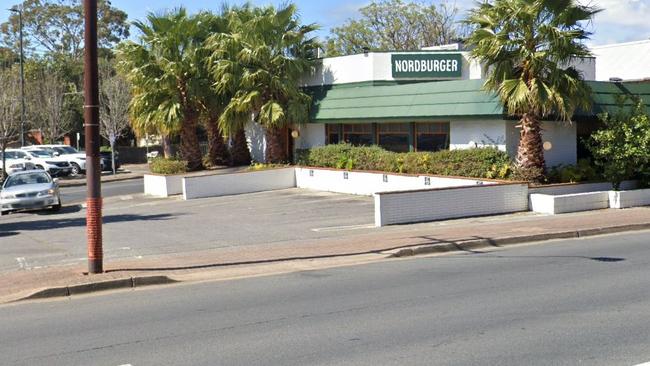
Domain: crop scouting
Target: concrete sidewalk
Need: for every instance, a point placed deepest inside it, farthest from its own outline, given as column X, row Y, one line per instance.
column 232, row 262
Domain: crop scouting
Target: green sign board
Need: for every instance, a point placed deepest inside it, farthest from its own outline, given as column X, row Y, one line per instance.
column 428, row 65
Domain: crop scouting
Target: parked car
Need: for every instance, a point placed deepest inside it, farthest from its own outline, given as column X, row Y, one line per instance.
column 16, row 161
column 76, row 159
column 105, row 160
column 55, row 166
column 32, row 189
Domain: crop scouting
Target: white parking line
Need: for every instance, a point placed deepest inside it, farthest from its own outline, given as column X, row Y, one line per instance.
column 343, row 228
column 22, row 263
column 643, row 364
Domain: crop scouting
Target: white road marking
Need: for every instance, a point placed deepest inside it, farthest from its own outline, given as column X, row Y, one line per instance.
column 643, row 364
column 343, row 228
column 22, row 263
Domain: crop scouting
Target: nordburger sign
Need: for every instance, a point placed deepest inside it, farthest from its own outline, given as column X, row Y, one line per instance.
column 431, row 65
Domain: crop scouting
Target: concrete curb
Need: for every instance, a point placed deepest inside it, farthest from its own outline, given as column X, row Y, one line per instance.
column 123, row 283
column 83, row 183
column 475, row 244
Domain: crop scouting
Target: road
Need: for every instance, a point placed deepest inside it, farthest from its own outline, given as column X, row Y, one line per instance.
column 571, row 302
column 71, row 195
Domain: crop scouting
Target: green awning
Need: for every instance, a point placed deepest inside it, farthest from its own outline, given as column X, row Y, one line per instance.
column 440, row 100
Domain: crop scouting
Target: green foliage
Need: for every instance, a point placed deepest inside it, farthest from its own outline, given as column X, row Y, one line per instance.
column 263, row 166
column 105, row 149
column 526, row 45
column 167, row 166
column 622, row 147
column 583, row 171
column 479, row 163
column 395, row 25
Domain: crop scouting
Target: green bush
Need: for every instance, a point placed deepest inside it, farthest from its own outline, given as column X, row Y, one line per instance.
column 168, row 166
column 584, row 171
column 105, row 149
column 479, row 163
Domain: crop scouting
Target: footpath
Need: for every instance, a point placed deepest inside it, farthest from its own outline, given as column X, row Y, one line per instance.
column 400, row 241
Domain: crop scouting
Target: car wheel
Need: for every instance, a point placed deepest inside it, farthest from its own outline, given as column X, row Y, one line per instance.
column 76, row 170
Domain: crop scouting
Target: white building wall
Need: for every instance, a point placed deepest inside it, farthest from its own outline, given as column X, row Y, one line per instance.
column 256, row 139
column 374, row 66
column 477, row 133
column 562, row 136
column 628, row 61
column 311, row 135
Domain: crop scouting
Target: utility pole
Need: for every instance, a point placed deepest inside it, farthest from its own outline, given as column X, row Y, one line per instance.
column 22, row 75
column 91, row 129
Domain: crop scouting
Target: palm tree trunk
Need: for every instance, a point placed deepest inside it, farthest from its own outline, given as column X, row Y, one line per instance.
column 276, row 149
column 239, row 152
column 190, row 149
column 530, row 154
column 217, row 149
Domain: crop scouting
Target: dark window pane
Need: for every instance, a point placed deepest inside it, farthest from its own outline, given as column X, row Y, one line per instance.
column 333, row 138
column 359, row 139
column 430, row 142
column 397, row 143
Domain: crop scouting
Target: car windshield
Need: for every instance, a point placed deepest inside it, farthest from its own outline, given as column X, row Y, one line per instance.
column 66, row 150
column 40, row 154
column 29, row 178
column 14, row 155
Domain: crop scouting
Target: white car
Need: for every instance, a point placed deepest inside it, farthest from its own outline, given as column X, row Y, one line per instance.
column 56, row 166
column 16, row 161
column 76, row 159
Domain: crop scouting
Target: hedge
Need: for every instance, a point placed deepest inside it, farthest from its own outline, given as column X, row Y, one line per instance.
column 167, row 166
column 476, row 163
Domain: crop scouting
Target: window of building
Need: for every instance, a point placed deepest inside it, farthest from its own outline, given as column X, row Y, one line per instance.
column 393, row 136
column 333, row 133
column 432, row 136
column 358, row 134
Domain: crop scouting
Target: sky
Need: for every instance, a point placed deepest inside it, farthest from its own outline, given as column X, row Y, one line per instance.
column 620, row 21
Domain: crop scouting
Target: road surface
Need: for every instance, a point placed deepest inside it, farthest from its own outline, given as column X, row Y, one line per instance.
column 72, row 195
column 570, row 302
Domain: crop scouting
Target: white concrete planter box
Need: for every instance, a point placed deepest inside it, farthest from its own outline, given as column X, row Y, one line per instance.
column 448, row 203
column 238, row 183
column 557, row 204
column 163, row 185
column 368, row 183
column 625, row 199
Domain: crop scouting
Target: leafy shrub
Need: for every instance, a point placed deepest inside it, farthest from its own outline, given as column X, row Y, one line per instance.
column 622, row 146
column 479, row 163
column 584, row 171
column 105, row 149
column 168, row 166
column 264, row 166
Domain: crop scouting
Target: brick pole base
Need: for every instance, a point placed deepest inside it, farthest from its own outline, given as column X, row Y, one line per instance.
column 94, row 233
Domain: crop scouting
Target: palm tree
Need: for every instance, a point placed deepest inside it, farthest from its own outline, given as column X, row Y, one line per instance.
column 261, row 62
column 527, row 47
column 167, row 84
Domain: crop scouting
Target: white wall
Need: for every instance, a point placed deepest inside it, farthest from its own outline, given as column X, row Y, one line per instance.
column 482, row 133
column 429, row 205
column 256, row 138
column 552, row 205
column 162, row 185
column 238, row 183
column 311, row 135
column 628, row 61
column 562, row 136
column 368, row 183
column 372, row 66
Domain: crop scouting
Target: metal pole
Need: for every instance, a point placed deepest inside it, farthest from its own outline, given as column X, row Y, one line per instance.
column 91, row 128
column 22, row 75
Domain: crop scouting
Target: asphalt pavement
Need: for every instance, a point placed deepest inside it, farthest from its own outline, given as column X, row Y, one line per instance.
column 569, row 302
column 73, row 195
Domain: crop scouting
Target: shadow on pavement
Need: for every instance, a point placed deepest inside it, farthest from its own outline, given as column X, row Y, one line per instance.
column 8, row 233
column 77, row 222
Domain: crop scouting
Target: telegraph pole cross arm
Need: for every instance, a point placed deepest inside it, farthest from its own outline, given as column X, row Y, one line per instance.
column 91, row 129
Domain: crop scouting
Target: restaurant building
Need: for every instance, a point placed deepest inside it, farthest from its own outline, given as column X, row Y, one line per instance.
column 430, row 100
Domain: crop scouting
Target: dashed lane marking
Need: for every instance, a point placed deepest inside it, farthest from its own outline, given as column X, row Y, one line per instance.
column 343, row 228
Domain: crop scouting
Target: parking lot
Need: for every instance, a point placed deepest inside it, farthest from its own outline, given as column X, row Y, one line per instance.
column 140, row 226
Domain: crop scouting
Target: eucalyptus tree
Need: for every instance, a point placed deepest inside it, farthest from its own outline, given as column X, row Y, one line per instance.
column 261, row 61
column 115, row 98
column 167, row 81
column 528, row 47
column 9, row 113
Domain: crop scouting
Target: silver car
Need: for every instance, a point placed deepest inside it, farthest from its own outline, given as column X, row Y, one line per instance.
column 31, row 189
